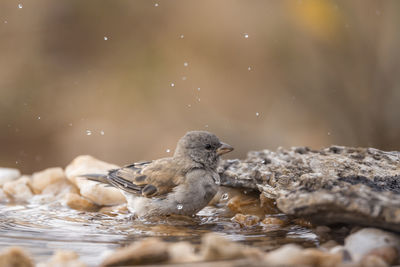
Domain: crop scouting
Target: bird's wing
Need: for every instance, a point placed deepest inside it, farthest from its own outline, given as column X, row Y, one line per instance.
column 149, row 179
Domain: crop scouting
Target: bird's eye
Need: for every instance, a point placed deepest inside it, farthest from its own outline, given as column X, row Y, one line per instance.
column 208, row 146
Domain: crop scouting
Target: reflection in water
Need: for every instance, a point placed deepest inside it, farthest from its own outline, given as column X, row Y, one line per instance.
column 43, row 228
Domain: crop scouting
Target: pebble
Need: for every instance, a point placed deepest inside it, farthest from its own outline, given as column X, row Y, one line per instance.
column 246, row 220
column 19, row 189
column 94, row 191
column 8, row 174
column 115, row 210
column 77, row 202
column 216, row 247
column 372, row 241
column 246, row 204
column 294, row 255
column 147, row 251
column 15, row 257
column 272, row 221
column 63, row 258
column 42, row 179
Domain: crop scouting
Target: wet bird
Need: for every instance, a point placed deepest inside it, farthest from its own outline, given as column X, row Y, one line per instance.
column 182, row 184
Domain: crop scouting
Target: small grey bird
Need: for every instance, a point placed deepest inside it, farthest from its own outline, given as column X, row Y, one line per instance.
column 182, row 184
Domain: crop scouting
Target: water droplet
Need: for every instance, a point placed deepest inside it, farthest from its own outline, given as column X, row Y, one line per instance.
column 198, row 89
column 198, row 99
column 125, row 185
column 329, row 133
column 246, row 35
column 102, row 132
column 172, row 84
column 5, row 21
column 179, row 206
column 168, row 150
column 88, row 132
column 184, row 78
column 182, row 36
column 257, row 114
column 225, row 196
column 185, row 64
column 70, row 124
column 217, row 182
column 105, row 38
column 249, row 68
column 206, row 125
column 16, row 162
column 20, row 6
column 156, row 4
column 38, row 118
column 189, row 106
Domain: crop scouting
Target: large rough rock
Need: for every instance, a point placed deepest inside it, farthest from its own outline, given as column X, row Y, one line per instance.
column 332, row 185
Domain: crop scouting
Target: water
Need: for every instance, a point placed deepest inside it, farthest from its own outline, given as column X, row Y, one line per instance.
column 42, row 229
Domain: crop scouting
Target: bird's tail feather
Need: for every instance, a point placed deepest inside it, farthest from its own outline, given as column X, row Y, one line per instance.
column 102, row 178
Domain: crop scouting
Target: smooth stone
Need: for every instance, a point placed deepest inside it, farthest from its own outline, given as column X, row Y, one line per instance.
column 147, row 251
column 63, row 258
column 94, row 191
column 246, row 220
column 216, row 247
column 77, row 202
column 115, row 210
column 294, row 255
column 42, row 179
column 368, row 240
column 15, row 257
column 272, row 221
column 19, row 189
column 182, row 252
column 8, row 174
column 3, row 196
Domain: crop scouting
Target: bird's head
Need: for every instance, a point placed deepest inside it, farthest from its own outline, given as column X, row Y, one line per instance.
column 202, row 147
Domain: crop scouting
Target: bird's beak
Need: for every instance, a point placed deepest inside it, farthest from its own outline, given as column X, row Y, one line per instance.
column 223, row 149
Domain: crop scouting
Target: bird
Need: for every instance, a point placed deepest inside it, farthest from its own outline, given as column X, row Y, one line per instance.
column 179, row 185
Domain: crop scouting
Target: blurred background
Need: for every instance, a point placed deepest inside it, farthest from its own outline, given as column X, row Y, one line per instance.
column 124, row 80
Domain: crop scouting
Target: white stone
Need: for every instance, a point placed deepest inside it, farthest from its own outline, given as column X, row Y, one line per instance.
column 365, row 240
column 42, row 179
column 94, row 191
column 19, row 189
column 8, row 174
column 63, row 258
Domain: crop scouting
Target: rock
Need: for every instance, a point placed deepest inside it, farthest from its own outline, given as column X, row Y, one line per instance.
column 42, row 179
column 272, row 221
column 3, row 196
column 216, row 247
column 19, row 189
column 182, row 252
column 63, row 258
column 147, row 251
column 15, row 257
column 371, row 241
column 294, row 255
column 78, row 202
column 8, row 174
column 389, row 254
column 246, row 204
column 373, row 261
column 94, row 191
column 332, row 185
column 246, row 220
column 115, row 210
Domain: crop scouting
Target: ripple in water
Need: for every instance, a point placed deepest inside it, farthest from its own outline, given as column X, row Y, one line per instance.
column 43, row 228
